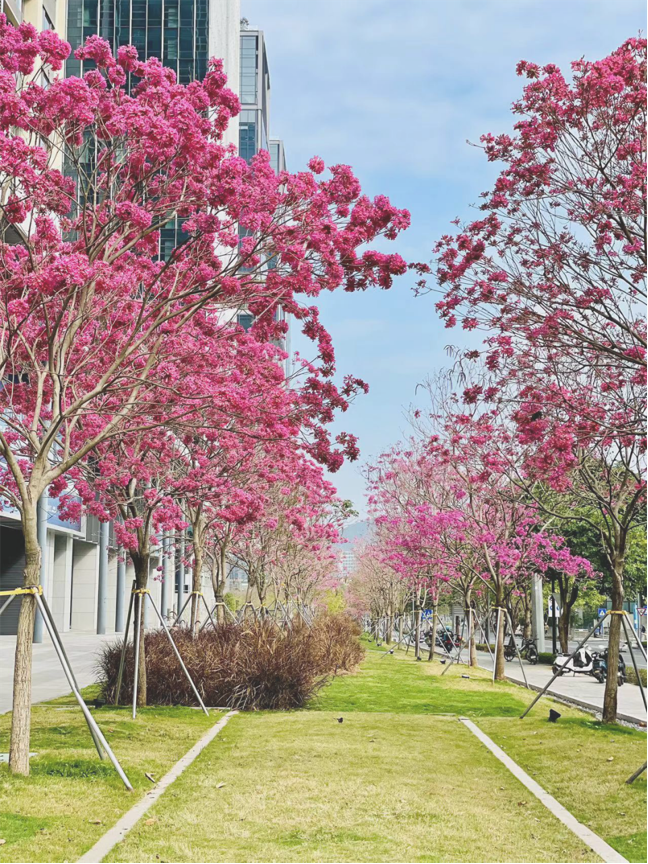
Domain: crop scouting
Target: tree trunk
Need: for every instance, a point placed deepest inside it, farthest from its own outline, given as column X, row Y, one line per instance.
column 389, row 626
column 435, row 624
column 222, row 576
column 141, row 564
column 527, row 629
column 417, row 632
column 611, row 682
column 21, row 716
column 563, row 628
column 500, row 666
column 196, row 585
column 214, row 567
column 472, row 649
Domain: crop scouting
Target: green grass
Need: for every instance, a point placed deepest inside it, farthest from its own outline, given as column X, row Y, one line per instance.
column 377, row 787
column 71, row 797
column 400, row 685
column 584, row 764
column 400, row 779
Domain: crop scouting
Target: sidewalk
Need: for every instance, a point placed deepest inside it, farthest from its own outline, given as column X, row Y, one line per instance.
column 48, row 680
column 580, row 689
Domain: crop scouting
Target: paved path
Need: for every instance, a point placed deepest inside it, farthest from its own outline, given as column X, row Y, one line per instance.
column 582, row 689
column 48, row 678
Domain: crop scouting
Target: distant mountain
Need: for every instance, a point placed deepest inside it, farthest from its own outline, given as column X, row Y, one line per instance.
column 357, row 531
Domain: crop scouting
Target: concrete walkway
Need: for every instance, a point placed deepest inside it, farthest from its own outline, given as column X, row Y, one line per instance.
column 580, row 689
column 48, row 680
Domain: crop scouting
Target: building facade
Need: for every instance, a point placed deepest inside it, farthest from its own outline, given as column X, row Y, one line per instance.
column 254, row 130
column 43, row 14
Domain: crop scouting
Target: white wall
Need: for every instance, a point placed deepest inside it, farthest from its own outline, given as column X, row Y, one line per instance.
column 85, row 577
column 225, row 43
column 60, row 551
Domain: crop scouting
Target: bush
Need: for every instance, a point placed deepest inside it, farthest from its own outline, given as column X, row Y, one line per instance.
column 250, row 667
column 336, row 639
column 632, row 677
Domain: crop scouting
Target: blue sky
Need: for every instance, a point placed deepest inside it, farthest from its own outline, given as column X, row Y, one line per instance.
column 396, row 89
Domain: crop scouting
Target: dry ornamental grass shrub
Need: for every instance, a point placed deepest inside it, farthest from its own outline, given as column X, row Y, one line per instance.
column 257, row 665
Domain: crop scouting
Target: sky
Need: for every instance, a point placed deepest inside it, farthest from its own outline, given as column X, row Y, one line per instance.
column 398, row 90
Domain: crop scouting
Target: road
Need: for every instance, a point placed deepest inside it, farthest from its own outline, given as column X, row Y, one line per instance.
column 581, row 689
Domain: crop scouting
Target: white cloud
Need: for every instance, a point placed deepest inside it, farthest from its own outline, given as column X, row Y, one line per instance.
column 401, row 86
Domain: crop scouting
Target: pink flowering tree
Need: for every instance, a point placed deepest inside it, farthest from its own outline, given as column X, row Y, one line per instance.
column 554, row 268
column 554, row 272
column 457, row 514
column 298, row 522
column 376, row 588
column 88, row 305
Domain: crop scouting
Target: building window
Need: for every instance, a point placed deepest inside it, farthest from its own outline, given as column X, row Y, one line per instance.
column 247, row 135
column 174, row 31
column 248, row 83
column 245, row 320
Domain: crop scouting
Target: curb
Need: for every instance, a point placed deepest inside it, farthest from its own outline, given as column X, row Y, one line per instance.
column 128, row 821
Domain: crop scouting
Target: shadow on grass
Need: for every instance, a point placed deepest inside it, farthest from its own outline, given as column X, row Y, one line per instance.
column 15, row 827
column 86, row 769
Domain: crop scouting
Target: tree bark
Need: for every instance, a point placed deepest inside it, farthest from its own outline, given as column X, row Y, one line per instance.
column 526, row 632
column 500, row 666
column 611, row 682
column 563, row 628
column 141, row 565
column 196, row 584
column 21, row 716
column 472, row 649
column 435, row 620
column 389, row 625
column 417, row 631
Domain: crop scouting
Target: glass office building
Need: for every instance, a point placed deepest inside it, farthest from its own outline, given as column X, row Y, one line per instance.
column 254, row 123
column 175, row 31
column 254, row 94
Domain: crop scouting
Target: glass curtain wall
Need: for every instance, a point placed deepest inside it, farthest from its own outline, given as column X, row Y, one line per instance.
column 174, row 31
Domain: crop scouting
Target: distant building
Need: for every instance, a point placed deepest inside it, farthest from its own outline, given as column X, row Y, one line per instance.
column 346, row 562
column 347, row 553
column 182, row 34
column 254, row 130
column 43, row 14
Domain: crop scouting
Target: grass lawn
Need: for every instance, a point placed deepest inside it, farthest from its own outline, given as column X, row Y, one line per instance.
column 71, row 797
column 400, row 685
column 303, row 787
column 400, row 779
column 584, row 764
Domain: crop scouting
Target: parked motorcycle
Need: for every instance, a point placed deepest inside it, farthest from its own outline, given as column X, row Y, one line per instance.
column 446, row 641
column 528, row 650
column 586, row 662
column 602, row 667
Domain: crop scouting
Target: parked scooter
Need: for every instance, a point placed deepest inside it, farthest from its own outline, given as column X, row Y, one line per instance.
column 446, row 641
column 602, row 667
column 528, row 650
column 586, row 662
